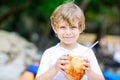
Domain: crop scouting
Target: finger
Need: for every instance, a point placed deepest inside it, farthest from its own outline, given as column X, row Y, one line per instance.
column 64, row 62
column 85, row 59
column 64, row 57
column 86, row 63
column 62, row 67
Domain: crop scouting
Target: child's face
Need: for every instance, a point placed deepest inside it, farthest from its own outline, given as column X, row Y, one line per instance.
column 68, row 34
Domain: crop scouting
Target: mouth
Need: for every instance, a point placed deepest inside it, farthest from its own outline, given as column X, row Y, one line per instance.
column 68, row 37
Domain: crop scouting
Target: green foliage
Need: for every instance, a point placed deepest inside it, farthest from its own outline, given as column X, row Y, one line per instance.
column 94, row 5
column 107, row 11
column 15, row 2
column 91, row 16
column 47, row 7
column 27, row 16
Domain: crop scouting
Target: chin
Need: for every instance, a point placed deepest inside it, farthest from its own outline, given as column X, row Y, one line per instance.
column 69, row 43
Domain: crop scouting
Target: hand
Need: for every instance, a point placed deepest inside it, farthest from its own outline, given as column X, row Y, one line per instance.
column 90, row 73
column 87, row 67
column 60, row 63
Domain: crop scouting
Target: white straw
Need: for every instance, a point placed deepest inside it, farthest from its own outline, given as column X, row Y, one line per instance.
column 93, row 44
column 91, row 47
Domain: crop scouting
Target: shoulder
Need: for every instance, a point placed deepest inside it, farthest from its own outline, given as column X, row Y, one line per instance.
column 85, row 49
column 51, row 49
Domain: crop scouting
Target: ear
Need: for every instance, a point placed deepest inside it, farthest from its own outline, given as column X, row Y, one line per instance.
column 80, row 31
column 54, row 28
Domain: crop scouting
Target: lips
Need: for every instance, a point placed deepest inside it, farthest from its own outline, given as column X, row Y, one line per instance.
column 68, row 37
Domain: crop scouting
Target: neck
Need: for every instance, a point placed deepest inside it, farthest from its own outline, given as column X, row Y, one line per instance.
column 69, row 46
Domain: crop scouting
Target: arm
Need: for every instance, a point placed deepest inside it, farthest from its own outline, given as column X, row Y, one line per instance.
column 29, row 73
column 51, row 72
column 93, row 76
column 27, row 76
column 92, row 68
column 48, row 75
column 90, row 73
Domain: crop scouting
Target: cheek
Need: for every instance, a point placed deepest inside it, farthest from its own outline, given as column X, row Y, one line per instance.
column 59, row 33
column 77, row 36
column 77, row 32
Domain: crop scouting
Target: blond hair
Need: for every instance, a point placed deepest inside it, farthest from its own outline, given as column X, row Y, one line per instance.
column 68, row 12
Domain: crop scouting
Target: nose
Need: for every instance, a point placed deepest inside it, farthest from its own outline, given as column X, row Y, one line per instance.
column 68, row 31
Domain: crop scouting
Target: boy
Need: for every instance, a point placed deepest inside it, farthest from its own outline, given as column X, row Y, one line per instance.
column 68, row 22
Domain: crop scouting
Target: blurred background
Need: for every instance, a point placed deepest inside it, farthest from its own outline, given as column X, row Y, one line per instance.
column 25, row 32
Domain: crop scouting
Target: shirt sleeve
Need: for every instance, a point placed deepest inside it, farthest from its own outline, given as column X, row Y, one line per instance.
column 44, row 64
column 94, row 63
column 32, row 68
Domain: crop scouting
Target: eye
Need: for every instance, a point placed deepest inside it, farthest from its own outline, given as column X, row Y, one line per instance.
column 74, row 27
column 62, row 27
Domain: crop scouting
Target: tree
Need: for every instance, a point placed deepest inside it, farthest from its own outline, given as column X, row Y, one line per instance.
column 28, row 16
